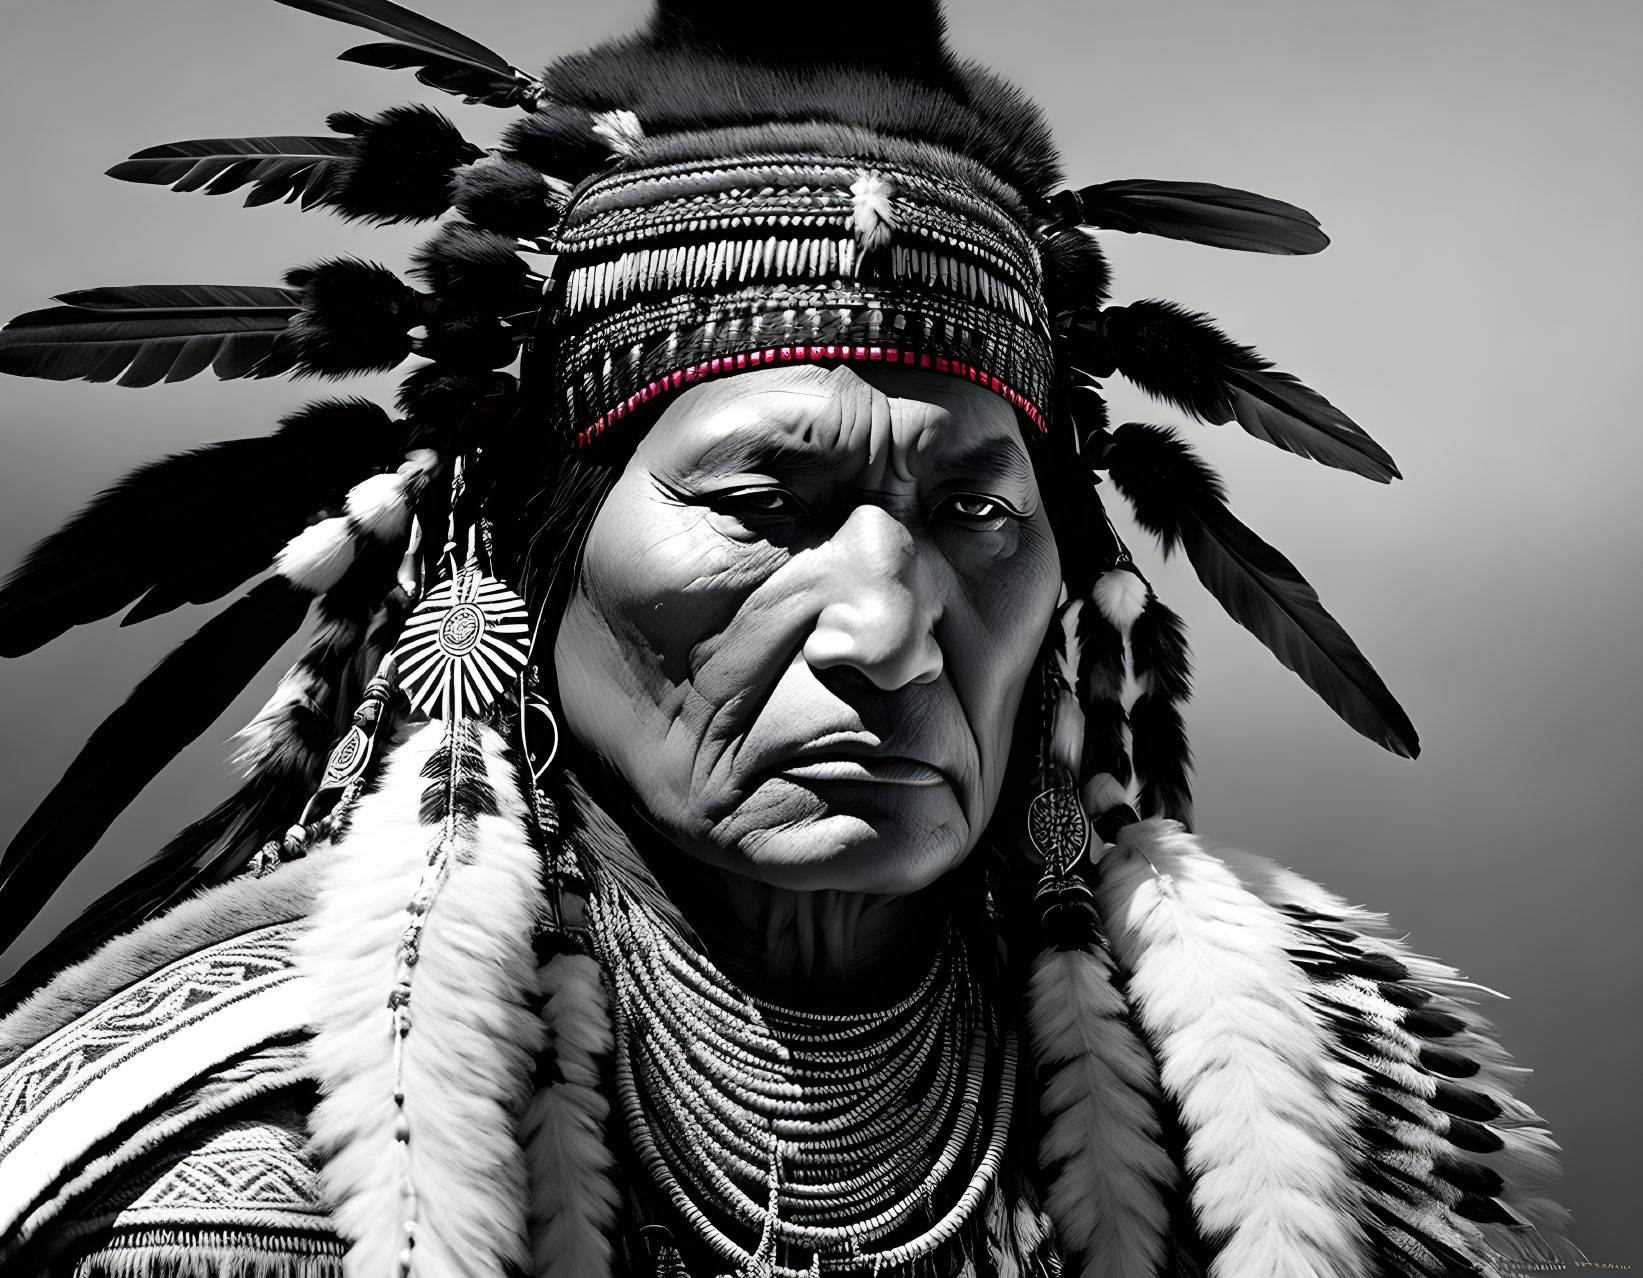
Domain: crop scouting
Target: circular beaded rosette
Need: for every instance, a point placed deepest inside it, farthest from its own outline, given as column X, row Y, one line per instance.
column 464, row 644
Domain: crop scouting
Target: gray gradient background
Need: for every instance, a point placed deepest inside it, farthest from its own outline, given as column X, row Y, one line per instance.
column 1477, row 165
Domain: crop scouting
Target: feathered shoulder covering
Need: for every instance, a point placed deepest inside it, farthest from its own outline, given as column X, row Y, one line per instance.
column 1345, row 1108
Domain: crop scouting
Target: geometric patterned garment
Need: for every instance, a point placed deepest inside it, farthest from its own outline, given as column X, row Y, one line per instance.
column 162, row 1130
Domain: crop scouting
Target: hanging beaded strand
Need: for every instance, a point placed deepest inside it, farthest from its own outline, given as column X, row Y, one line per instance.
column 462, row 649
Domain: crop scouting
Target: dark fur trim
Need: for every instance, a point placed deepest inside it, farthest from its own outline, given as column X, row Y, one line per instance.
column 1176, row 355
column 356, row 318
column 685, row 75
column 400, row 170
column 508, row 197
column 1162, row 757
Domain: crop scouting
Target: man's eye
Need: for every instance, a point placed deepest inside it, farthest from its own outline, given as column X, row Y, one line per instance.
column 970, row 508
column 758, row 503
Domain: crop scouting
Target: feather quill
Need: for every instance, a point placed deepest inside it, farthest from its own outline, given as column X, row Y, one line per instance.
column 141, row 334
column 1101, row 1133
column 1179, row 500
column 469, row 1055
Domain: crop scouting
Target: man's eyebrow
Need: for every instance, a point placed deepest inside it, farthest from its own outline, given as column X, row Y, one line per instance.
column 756, row 447
column 1000, row 458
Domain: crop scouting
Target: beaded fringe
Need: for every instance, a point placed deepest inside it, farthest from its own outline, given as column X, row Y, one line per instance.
column 167, row 1253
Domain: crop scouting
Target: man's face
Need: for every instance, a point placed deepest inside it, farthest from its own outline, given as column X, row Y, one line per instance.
column 805, row 617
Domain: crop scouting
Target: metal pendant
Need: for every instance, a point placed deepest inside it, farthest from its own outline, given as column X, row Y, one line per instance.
column 1059, row 829
column 464, row 645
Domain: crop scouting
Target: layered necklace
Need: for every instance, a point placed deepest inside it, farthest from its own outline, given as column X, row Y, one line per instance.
column 796, row 1142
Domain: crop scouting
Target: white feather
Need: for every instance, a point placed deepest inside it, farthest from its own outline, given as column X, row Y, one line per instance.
column 573, row 1198
column 621, row 129
column 1120, row 595
column 1102, row 1128
column 1243, row 1052
column 270, row 740
column 316, row 558
column 474, row 1036
column 872, row 209
column 1102, row 792
column 273, row 740
column 381, row 505
column 1527, row 1163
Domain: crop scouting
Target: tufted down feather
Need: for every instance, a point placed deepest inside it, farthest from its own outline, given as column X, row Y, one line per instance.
column 508, row 197
column 474, row 1035
column 399, row 166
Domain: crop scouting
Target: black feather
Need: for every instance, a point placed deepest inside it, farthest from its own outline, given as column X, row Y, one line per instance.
column 195, row 525
column 1200, row 212
column 177, row 701
column 473, row 84
column 1179, row 500
column 1181, row 357
column 399, row 164
column 1075, row 272
column 471, row 346
column 1162, row 479
column 401, row 24
column 1158, row 734
column 475, row 272
column 277, row 168
column 508, row 197
column 1430, row 1023
column 441, row 397
column 356, row 317
column 1440, row 1060
column 447, row 59
column 142, row 334
column 1159, row 642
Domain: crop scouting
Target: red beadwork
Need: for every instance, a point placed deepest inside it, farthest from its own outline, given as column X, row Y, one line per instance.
column 730, row 364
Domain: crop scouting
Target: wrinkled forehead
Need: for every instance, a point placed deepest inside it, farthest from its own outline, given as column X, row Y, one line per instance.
column 840, row 421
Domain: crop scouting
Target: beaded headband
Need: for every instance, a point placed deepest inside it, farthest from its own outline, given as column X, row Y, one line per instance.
column 669, row 274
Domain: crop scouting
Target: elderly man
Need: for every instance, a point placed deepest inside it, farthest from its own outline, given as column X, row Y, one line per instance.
column 732, row 817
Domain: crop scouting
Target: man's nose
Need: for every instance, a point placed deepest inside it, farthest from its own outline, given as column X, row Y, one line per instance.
column 879, row 617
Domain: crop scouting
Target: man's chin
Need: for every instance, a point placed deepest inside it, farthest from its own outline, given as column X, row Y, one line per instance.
column 852, row 852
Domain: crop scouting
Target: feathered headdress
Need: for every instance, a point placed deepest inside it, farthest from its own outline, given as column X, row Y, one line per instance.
column 638, row 229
